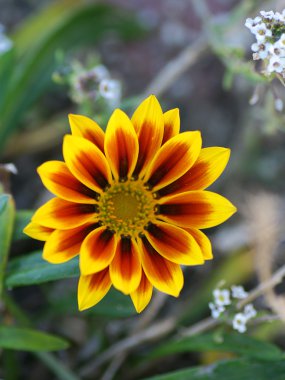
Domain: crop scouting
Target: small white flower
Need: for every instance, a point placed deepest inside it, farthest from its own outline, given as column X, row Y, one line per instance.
column 238, row 292
column 257, row 20
column 277, row 49
column 281, row 41
column 252, row 23
column 262, row 49
column 110, row 89
column 255, row 47
column 261, row 32
column 279, row 17
column 100, row 72
column 239, row 322
column 222, row 297
column 268, row 15
column 216, row 310
column 275, row 65
column 249, row 311
column 249, row 23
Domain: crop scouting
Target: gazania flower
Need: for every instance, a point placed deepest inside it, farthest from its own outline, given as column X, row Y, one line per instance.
column 131, row 202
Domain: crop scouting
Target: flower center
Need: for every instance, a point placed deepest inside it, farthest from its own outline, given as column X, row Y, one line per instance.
column 126, row 208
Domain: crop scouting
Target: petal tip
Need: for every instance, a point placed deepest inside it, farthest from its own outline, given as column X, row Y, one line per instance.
column 82, row 305
column 72, row 116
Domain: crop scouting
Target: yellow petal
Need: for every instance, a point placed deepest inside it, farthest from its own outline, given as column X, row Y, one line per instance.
column 203, row 241
column 57, row 178
column 165, row 275
column 125, row 269
column 36, row 231
column 173, row 159
column 149, row 125
column 92, row 288
column 171, row 124
column 174, row 243
column 196, row 209
column 208, row 167
column 63, row 245
column 142, row 295
column 121, row 145
column 63, row 215
column 86, row 162
column 97, row 251
column 82, row 126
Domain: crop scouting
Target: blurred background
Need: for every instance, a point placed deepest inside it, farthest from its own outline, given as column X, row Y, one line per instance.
column 89, row 57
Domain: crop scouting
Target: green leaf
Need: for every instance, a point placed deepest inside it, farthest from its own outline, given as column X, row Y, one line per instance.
column 32, row 269
column 7, row 215
column 114, row 305
column 24, row 339
column 235, row 343
column 229, row 370
column 23, row 217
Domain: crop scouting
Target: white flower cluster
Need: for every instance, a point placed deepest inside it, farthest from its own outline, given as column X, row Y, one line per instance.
column 94, row 83
column 223, row 298
column 269, row 31
column 5, row 43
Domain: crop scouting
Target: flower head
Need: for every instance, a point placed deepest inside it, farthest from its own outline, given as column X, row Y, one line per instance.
column 131, row 202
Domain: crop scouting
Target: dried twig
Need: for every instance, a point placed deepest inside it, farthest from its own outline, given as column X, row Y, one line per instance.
column 266, row 221
column 114, row 366
column 148, row 316
column 176, row 67
column 276, row 278
column 199, row 327
column 157, row 330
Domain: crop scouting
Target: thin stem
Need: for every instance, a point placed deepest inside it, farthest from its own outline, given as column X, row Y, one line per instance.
column 176, row 67
column 263, row 286
column 148, row 316
column 199, row 327
column 158, row 330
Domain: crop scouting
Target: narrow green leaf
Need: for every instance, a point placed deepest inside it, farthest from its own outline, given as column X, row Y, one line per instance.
column 7, row 215
column 25, row 339
column 61, row 371
column 7, row 62
column 56, row 366
column 23, row 217
column 235, row 343
column 229, row 370
column 32, row 269
column 80, row 25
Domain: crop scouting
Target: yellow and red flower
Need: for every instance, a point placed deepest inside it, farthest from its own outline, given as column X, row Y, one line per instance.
column 131, row 202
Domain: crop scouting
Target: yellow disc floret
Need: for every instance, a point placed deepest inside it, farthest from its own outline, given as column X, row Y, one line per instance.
column 126, row 208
